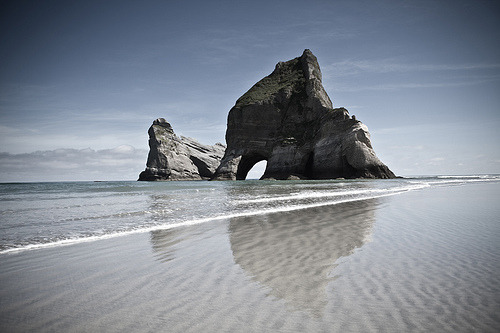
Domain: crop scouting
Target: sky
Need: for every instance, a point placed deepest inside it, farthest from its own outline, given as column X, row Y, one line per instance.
column 82, row 81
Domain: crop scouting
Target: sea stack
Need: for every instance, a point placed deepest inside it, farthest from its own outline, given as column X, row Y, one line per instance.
column 178, row 158
column 288, row 120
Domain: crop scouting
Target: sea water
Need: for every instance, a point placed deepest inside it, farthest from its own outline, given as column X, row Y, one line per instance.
column 38, row 215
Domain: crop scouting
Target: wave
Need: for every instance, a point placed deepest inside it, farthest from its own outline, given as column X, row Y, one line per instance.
column 461, row 180
column 492, row 177
column 320, row 195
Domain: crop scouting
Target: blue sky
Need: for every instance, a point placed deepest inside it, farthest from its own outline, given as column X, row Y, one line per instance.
column 82, row 81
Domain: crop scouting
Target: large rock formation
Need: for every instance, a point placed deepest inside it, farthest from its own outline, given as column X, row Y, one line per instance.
column 174, row 158
column 288, row 119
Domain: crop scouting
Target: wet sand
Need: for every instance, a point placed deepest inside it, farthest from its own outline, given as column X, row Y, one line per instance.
column 427, row 260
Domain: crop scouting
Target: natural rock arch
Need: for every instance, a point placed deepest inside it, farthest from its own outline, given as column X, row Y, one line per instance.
column 288, row 119
column 247, row 162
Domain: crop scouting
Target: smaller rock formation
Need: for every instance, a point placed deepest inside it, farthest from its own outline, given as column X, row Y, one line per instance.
column 174, row 158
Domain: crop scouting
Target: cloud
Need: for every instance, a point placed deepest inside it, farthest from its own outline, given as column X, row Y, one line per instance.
column 408, row 148
column 375, row 75
column 120, row 163
column 353, row 67
column 421, row 85
column 221, row 46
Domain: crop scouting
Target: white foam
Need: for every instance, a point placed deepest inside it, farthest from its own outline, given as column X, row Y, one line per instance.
column 464, row 180
column 318, row 195
column 464, row 177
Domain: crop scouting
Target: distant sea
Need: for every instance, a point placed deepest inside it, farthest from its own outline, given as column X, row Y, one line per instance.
column 410, row 254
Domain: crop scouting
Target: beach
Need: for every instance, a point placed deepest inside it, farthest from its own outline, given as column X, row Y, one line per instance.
column 419, row 260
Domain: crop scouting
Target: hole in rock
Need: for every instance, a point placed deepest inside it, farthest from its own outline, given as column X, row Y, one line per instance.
column 257, row 170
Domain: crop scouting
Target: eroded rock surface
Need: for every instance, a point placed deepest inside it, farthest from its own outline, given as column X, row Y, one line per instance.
column 178, row 158
column 288, row 119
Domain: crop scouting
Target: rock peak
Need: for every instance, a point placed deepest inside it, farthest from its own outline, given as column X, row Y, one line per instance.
column 299, row 74
column 308, row 57
column 163, row 123
column 310, row 66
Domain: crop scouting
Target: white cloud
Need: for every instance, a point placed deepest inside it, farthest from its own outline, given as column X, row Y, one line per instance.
column 123, row 149
column 120, row 163
column 411, row 85
column 352, row 67
column 406, row 75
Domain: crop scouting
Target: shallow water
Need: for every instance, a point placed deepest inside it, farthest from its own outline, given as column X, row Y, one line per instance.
column 37, row 215
column 418, row 260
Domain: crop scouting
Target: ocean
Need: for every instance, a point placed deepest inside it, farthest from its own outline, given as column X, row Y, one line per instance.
column 38, row 215
column 408, row 254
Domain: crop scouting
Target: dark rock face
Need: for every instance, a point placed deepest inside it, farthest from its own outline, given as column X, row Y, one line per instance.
column 288, row 119
column 174, row 158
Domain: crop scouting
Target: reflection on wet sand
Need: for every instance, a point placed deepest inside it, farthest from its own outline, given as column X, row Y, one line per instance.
column 294, row 253
column 163, row 243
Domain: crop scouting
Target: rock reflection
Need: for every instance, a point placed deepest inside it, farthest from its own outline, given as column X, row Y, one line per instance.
column 163, row 243
column 294, row 253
